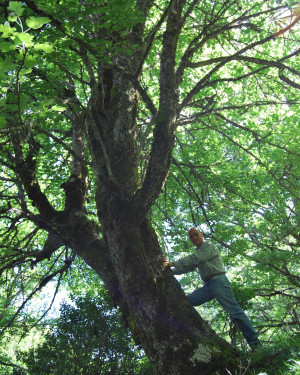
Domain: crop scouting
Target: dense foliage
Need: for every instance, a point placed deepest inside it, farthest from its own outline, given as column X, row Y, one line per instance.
column 88, row 338
column 181, row 112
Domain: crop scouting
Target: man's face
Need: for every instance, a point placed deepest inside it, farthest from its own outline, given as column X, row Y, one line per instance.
column 196, row 236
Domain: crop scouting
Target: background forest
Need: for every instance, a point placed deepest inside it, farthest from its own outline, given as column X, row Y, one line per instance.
column 161, row 114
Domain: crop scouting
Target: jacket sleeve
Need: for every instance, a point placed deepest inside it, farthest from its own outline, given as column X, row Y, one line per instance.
column 203, row 253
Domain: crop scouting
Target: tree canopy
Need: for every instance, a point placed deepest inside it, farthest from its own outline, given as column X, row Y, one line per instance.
column 122, row 124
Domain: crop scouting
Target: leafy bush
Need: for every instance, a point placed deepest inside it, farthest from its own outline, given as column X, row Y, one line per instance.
column 88, row 338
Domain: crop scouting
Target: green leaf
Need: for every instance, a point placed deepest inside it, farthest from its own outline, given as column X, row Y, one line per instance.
column 30, row 61
column 37, row 22
column 46, row 47
column 7, row 31
column 16, row 7
column 25, row 71
column 25, row 37
column 6, row 46
column 57, row 108
column 12, row 17
column 20, row 55
column 5, row 66
column 2, row 122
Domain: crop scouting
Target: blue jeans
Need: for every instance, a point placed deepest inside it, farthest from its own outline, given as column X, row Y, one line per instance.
column 219, row 287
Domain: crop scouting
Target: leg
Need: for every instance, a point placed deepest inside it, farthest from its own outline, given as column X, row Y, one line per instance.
column 220, row 287
column 199, row 296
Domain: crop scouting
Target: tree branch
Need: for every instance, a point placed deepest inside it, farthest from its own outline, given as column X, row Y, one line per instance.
column 163, row 138
column 150, row 38
column 255, row 157
column 10, row 364
column 205, row 80
column 288, row 81
column 267, row 63
column 41, row 284
column 26, row 170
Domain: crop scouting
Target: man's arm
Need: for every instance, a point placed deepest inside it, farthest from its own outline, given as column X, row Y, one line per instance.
column 202, row 254
column 177, row 270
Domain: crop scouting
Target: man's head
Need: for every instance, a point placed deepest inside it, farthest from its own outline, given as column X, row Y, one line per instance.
column 196, row 236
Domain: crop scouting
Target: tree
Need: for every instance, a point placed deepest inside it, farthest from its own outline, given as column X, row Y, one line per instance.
column 87, row 338
column 101, row 100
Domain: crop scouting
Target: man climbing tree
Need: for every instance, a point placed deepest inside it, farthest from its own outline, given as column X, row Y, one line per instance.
column 100, row 101
column 216, row 285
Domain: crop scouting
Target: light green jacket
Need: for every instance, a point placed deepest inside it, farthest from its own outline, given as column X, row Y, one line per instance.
column 206, row 257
